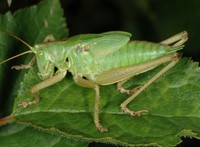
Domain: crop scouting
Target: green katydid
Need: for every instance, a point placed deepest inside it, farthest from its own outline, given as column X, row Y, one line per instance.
column 95, row 60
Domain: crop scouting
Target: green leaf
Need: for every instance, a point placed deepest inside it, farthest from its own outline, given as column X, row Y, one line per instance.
column 173, row 103
column 16, row 135
column 6, row 22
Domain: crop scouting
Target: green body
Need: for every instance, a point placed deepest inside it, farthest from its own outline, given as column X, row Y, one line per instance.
column 133, row 53
column 92, row 54
column 55, row 54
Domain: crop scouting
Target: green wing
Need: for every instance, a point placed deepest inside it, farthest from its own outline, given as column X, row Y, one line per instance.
column 100, row 45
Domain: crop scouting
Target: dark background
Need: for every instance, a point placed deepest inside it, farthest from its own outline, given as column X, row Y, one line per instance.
column 152, row 20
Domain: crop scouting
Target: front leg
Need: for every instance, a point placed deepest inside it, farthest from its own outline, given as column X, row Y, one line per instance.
column 44, row 84
column 24, row 66
column 89, row 84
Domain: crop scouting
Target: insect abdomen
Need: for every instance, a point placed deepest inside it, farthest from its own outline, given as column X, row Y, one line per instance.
column 135, row 52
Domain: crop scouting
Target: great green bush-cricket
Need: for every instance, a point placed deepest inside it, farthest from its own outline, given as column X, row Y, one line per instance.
column 96, row 60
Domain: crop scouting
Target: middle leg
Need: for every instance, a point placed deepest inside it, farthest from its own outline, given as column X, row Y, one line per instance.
column 89, row 84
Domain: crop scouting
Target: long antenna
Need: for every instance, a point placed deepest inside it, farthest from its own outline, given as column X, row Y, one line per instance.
column 27, row 52
column 10, row 34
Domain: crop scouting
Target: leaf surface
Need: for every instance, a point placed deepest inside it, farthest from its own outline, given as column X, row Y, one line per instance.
column 16, row 135
column 173, row 103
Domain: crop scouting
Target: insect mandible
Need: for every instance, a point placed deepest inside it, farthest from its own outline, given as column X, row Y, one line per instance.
column 95, row 60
